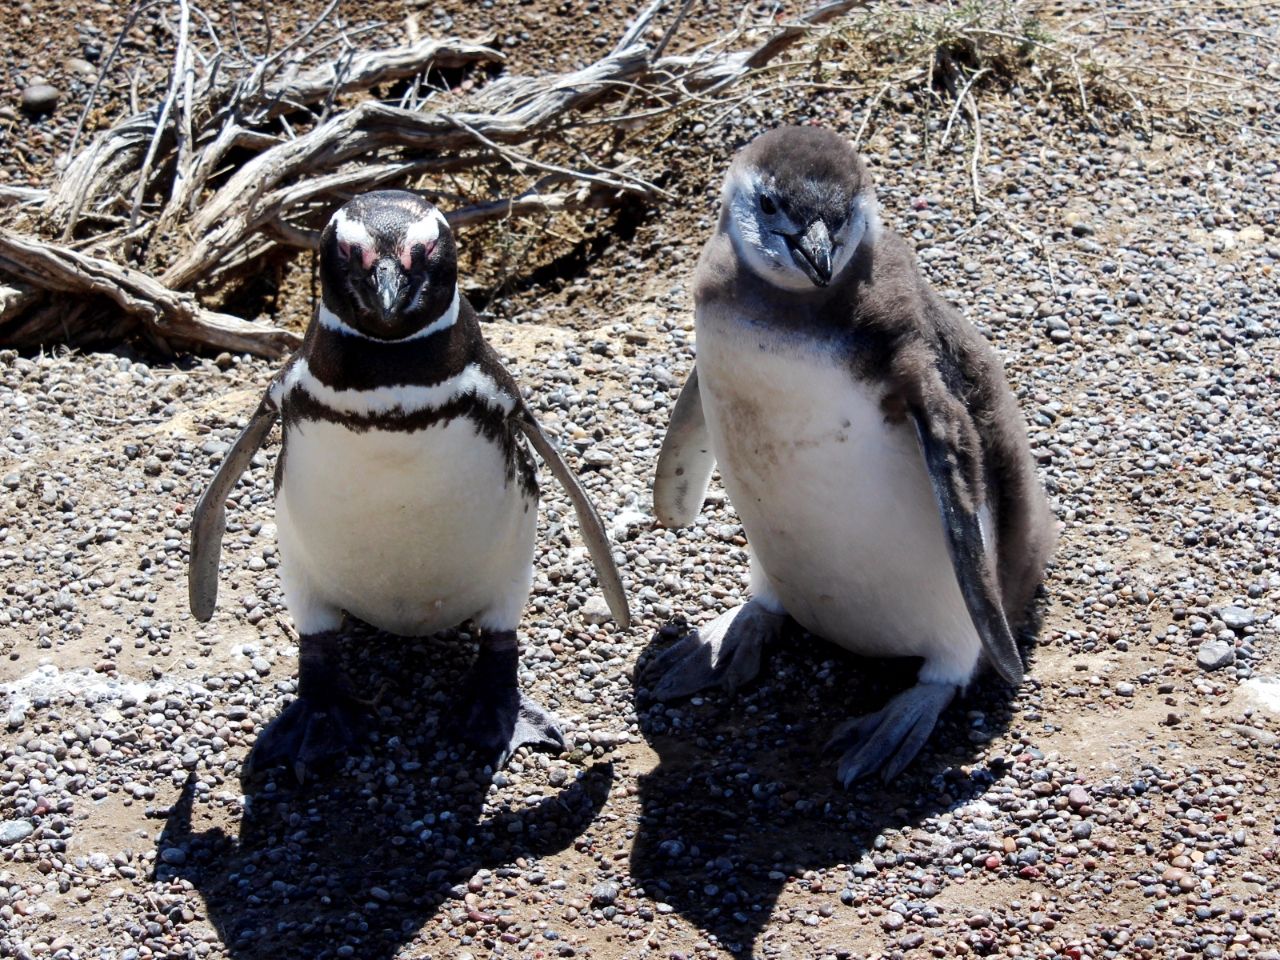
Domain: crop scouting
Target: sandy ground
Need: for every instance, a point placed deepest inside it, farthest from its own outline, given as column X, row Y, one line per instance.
column 1121, row 803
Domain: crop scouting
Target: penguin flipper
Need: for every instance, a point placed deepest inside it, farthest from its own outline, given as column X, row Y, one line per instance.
column 971, row 554
column 210, row 519
column 686, row 460
column 593, row 532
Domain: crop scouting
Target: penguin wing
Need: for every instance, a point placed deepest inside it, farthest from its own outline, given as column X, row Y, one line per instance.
column 588, row 520
column 971, row 553
column 210, row 519
column 686, row 460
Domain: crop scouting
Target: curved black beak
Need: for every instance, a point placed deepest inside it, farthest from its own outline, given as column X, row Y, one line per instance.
column 812, row 251
column 388, row 278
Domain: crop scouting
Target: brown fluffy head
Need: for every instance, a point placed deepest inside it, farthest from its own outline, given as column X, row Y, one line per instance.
column 798, row 204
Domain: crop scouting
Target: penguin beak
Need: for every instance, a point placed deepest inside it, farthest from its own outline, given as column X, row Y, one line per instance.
column 812, row 251
column 388, row 279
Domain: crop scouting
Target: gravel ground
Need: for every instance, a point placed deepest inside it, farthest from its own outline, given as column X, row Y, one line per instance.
column 1120, row 804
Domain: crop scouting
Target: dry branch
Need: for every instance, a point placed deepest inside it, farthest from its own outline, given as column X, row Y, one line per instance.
column 22, row 195
column 96, row 177
column 167, row 313
column 233, row 164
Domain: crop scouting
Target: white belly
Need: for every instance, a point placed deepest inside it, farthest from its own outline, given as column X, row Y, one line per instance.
column 412, row 532
column 836, row 502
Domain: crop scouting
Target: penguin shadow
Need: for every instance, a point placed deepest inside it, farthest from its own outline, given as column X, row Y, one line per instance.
column 357, row 862
column 743, row 800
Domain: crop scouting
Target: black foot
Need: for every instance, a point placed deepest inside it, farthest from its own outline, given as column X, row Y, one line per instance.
column 498, row 718
column 319, row 728
column 308, row 737
column 889, row 739
column 725, row 653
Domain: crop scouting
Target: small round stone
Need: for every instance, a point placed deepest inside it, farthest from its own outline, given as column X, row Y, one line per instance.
column 39, row 98
column 1215, row 654
column 1078, row 797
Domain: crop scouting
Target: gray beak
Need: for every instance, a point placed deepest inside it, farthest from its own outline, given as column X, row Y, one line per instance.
column 389, row 280
column 812, row 251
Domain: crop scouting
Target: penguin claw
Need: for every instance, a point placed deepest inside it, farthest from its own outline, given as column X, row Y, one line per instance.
column 889, row 739
column 726, row 653
column 307, row 738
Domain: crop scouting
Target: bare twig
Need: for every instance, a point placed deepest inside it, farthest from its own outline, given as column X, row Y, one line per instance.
column 181, row 65
column 168, row 313
column 636, row 28
column 624, row 182
column 961, row 98
column 671, row 30
column 106, row 68
column 21, row 195
column 977, row 151
column 870, row 112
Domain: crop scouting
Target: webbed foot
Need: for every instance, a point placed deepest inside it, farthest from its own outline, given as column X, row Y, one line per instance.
column 498, row 719
column 321, row 726
column 308, row 737
column 889, row 739
column 726, row 653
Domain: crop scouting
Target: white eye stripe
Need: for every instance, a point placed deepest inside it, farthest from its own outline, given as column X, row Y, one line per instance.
column 352, row 232
column 424, row 232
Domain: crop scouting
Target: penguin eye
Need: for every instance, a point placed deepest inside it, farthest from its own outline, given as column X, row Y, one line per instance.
column 353, row 253
column 767, row 205
column 415, row 256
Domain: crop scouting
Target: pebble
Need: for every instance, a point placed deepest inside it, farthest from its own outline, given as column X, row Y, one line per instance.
column 1237, row 618
column 1215, row 654
column 596, row 610
column 39, row 98
column 603, row 894
column 597, row 457
column 13, row 831
column 82, row 67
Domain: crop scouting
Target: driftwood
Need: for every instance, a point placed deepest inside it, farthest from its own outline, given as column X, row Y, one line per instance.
column 168, row 314
column 233, row 164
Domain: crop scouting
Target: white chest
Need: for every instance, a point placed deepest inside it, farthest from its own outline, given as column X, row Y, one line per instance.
column 834, row 497
column 411, row 531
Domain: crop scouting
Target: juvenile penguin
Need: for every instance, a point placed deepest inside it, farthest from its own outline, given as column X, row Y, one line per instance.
column 868, row 440
column 405, row 494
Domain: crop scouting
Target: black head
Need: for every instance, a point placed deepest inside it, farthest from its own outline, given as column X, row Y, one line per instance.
column 388, row 265
column 799, row 203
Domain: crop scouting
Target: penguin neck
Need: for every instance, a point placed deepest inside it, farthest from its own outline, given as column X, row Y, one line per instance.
column 448, row 317
column 341, row 357
column 829, row 319
column 723, row 274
